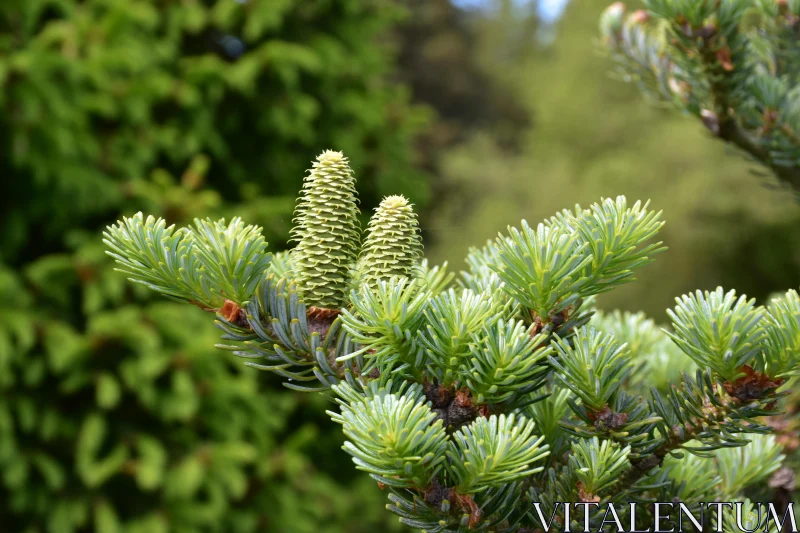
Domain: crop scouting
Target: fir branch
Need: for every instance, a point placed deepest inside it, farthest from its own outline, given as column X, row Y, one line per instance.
column 709, row 59
column 385, row 320
column 593, row 366
column 440, row 389
column 233, row 256
column 701, row 418
column 543, row 269
column 159, row 257
column 209, row 266
column 397, row 440
column 452, row 319
column 657, row 360
column 718, row 331
column 508, row 364
column 745, row 466
column 434, row 279
column 782, row 328
column 597, row 465
column 493, row 451
column 548, row 414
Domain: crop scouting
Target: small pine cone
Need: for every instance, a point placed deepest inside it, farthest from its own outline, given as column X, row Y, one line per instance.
column 393, row 245
column 327, row 232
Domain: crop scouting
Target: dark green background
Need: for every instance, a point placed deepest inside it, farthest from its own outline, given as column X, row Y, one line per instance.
column 116, row 412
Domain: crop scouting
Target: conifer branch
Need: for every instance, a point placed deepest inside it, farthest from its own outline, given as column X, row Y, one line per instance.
column 725, row 62
column 467, row 403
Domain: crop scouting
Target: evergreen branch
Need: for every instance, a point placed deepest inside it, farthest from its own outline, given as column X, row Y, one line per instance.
column 492, row 451
column 543, row 269
column 440, row 389
column 481, row 275
column 626, row 420
column 597, row 465
column 575, row 255
column 233, row 257
column 434, row 279
column 277, row 329
column 592, row 366
column 745, row 466
column 657, row 360
column 694, row 479
column 442, row 510
column 718, row 331
column 396, row 440
column 548, row 414
column 614, row 234
column 452, row 319
column 208, row 267
column 384, row 320
column 281, row 265
column 700, row 411
column 709, row 59
column 782, row 328
column 161, row 258
column 508, row 364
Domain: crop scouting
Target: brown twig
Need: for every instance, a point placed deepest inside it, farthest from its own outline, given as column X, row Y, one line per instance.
column 726, row 126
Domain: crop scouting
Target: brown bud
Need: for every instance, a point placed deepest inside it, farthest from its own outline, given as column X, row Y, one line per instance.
column 783, row 479
column 586, row 497
column 640, row 16
column 234, row 314
column 724, row 58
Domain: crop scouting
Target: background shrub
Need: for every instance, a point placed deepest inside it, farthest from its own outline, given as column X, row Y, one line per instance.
column 112, row 417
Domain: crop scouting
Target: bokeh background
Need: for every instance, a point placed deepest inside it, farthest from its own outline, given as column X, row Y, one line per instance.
column 116, row 412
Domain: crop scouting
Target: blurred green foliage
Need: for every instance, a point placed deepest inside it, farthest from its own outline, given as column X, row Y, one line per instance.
column 97, row 93
column 115, row 415
column 596, row 136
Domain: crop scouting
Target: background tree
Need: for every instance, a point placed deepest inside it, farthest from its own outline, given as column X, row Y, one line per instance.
column 597, row 137
column 456, row 64
column 112, row 417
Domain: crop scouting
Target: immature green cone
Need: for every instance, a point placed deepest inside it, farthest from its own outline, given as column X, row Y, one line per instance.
column 327, row 232
column 393, row 245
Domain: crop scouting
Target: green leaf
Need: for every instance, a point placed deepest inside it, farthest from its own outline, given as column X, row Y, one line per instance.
column 494, row 451
column 396, row 439
column 718, row 331
column 108, row 391
column 593, row 366
column 150, row 463
column 598, row 465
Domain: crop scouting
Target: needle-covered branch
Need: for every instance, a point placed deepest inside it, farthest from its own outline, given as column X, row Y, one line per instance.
column 468, row 402
column 730, row 63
